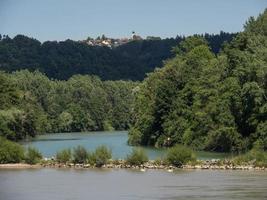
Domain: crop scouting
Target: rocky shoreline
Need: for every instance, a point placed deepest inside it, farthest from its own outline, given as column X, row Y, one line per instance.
column 150, row 165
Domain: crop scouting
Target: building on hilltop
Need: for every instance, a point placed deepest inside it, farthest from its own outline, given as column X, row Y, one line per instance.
column 110, row 42
column 136, row 37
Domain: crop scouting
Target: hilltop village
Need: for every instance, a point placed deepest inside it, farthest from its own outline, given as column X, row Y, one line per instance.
column 112, row 42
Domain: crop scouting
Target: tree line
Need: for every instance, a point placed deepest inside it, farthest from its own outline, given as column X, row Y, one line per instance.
column 61, row 60
column 207, row 101
column 31, row 103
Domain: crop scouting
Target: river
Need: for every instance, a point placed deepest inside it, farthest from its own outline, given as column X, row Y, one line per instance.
column 49, row 144
column 116, row 184
column 111, row 184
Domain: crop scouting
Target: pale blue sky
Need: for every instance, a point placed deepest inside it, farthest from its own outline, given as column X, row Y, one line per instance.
column 77, row 19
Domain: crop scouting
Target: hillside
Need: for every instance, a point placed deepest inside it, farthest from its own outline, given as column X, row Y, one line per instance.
column 61, row 60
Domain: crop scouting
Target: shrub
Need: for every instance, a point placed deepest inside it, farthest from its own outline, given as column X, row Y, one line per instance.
column 63, row 156
column 80, row 155
column 179, row 155
column 10, row 152
column 136, row 157
column 255, row 156
column 101, row 155
column 33, row 156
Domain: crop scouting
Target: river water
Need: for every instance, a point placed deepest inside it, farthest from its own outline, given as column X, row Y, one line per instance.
column 111, row 184
column 49, row 144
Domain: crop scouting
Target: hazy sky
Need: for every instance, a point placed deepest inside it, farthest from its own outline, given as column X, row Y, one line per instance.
column 77, row 19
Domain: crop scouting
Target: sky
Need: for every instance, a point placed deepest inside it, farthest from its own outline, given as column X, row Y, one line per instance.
column 78, row 19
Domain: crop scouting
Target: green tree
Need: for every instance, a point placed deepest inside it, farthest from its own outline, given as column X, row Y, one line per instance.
column 207, row 101
column 224, row 139
column 9, row 94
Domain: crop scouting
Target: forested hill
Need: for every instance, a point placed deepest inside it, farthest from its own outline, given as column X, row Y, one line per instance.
column 61, row 60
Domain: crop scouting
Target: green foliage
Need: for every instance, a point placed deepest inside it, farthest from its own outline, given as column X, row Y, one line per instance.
column 83, row 103
column 61, row 60
column 80, row 155
column 190, row 43
column 65, row 121
column 64, row 156
column 101, row 156
column 260, row 136
column 107, row 126
column 10, row 152
column 255, row 156
column 179, row 155
column 224, row 140
column 136, row 157
column 8, row 92
column 33, row 156
column 134, row 137
column 31, row 103
column 199, row 98
column 208, row 102
column 15, row 124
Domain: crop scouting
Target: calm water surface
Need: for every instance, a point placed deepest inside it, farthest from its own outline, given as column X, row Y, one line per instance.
column 71, row 184
column 116, row 140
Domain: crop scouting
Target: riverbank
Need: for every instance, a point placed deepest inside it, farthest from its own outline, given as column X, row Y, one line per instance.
column 19, row 166
column 150, row 165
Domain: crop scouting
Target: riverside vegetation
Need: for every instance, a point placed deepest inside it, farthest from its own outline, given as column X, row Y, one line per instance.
column 176, row 157
column 206, row 101
column 199, row 99
column 31, row 104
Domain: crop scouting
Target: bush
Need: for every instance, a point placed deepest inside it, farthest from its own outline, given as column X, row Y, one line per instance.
column 33, row 156
column 101, row 155
column 137, row 157
column 63, row 156
column 10, row 152
column 80, row 155
column 179, row 155
column 255, row 156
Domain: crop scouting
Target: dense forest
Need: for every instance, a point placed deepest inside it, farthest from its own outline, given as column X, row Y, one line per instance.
column 61, row 60
column 207, row 101
column 31, row 104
